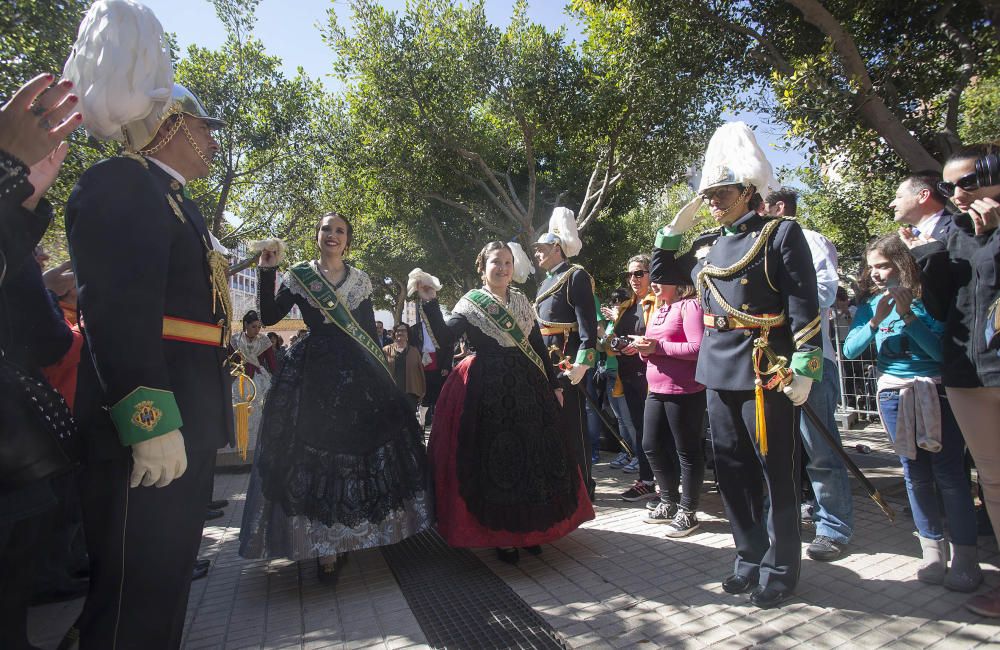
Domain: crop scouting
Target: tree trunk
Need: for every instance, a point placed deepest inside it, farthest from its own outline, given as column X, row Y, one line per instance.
column 220, row 208
column 873, row 109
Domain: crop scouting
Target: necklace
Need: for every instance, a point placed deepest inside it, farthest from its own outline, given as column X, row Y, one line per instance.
column 333, row 275
column 503, row 301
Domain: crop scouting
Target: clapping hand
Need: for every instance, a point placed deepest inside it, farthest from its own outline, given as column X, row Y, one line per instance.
column 43, row 174
column 37, row 118
column 902, row 297
column 911, row 240
column 883, row 308
column 611, row 313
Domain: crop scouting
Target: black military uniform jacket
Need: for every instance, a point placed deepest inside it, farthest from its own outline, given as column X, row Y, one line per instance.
column 779, row 279
column 139, row 252
column 567, row 313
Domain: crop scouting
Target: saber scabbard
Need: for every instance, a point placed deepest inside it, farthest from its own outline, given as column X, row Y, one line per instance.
column 779, row 364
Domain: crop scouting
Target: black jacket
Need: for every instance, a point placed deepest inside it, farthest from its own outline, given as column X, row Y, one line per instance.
column 572, row 304
column 136, row 261
column 960, row 281
column 779, row 279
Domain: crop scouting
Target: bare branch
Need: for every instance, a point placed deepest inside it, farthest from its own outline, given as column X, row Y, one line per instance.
column 965, row 73
column 871, row 106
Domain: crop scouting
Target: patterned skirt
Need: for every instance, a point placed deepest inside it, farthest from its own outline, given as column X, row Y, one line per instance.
column 340, row 464
column 504, row 470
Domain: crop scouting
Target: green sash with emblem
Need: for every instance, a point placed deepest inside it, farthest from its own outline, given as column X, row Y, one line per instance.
column 323, row 295
column 503, row 319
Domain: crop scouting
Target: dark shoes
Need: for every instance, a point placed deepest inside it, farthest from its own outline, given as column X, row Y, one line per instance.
column 737, row 584
column 824, row 549
column 508, row 555
column 217, row 505
column 768, row 597
column 329, row 572
column 213, row 514
column 533, row 550
column 200, row 570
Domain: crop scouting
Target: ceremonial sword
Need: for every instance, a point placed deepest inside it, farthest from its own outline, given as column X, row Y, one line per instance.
column 563, row 364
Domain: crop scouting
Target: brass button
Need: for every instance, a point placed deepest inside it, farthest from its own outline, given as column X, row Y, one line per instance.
column 329, row 303
column 743, row 228
column 745, row 307
column 744, row 281
column 746, row 332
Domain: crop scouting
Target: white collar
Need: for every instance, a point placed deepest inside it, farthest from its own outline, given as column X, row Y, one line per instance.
column 928, row 223
column 170, row 170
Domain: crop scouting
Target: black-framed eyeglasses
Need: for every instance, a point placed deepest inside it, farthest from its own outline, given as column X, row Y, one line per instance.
column 635, row 274
column 969, row 182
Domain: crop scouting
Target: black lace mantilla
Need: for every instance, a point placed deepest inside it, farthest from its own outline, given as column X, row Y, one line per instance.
column 344, row 488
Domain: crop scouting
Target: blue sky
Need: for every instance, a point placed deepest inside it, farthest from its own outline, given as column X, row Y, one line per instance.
column 289, row 30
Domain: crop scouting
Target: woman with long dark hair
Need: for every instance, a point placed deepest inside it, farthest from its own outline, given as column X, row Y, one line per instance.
column 341, row 464
column 915, row 410
column 674, row 417
column 631, row 320
column 961, row 280
column 505, row 474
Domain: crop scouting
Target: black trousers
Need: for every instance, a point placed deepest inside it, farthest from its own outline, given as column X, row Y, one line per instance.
column 19, row 546
column 771, row 547
column 143, row 543
column 574, row 418
column 672, row 429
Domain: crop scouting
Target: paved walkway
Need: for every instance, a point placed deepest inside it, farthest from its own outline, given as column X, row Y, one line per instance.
column 616, row 582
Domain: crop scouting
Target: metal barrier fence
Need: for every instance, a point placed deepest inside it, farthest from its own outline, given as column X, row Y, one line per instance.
column 858, row 393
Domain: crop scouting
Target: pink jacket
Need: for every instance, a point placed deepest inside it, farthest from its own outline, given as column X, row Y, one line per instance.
column 677, row 329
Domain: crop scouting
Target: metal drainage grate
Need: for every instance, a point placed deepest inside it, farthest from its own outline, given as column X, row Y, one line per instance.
column 459, row 602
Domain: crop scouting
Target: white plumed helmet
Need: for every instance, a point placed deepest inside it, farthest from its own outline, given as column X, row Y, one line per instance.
column 733, row 156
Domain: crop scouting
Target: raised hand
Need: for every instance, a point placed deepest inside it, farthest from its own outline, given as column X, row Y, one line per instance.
column 43, row 174
column 37, row 118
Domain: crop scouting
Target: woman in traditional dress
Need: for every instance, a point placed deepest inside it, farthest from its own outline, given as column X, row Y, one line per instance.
column 259, row 364
column 504, row 470
column 341, row 464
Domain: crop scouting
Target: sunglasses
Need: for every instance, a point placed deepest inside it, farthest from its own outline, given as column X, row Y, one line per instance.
column 634, row 274
column 969, row 182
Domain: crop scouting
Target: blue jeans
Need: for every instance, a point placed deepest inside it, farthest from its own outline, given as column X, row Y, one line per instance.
column 834, row 512
column 620, row 408
column 934, row 474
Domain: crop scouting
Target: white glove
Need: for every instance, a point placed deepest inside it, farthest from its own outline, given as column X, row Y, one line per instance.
column 685, row 218
column 159, row 460
column 577, row 373
column 798, row 389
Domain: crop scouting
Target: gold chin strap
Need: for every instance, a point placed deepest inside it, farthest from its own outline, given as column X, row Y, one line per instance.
column 194, row 145
column 149, row 151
